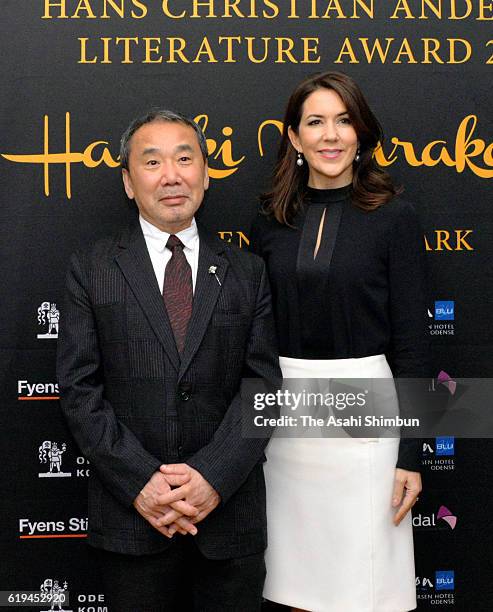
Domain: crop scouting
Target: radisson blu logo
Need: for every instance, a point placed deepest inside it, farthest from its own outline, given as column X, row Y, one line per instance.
column 444, row 310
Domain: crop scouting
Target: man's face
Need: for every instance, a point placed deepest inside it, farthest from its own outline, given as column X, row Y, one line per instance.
column 166, row 175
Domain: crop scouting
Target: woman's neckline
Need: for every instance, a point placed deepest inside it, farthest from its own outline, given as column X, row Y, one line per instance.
column 328, row 195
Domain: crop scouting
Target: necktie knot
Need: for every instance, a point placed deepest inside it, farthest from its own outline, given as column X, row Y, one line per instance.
column 173, row 242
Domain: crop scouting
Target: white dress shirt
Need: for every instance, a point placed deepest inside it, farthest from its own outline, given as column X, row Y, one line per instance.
column 156, row 245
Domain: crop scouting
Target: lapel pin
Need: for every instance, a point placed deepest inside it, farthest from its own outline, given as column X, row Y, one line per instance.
column 212, row 270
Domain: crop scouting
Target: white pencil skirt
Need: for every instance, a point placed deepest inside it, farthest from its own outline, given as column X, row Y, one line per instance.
column 332, row 545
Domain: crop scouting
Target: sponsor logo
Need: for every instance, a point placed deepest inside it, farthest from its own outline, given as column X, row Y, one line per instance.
column 444, row 311
column 49, row 318
column 445, row 380
column 446, row 515
column 444, row 581
column 439, row 456
column 424, row 582
column 436, row 520
column 437, row 590
column 56, row 594
column 445, row 446
column 37, row 391
column 50, row 454
column 74, row 527
column 60, row 596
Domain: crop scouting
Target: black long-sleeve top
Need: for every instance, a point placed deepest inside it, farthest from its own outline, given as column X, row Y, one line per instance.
column 364, row 293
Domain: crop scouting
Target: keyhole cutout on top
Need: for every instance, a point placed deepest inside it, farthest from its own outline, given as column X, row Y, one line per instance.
column 319, row 235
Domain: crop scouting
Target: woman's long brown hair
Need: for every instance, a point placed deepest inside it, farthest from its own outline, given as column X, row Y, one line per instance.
column 372, row 186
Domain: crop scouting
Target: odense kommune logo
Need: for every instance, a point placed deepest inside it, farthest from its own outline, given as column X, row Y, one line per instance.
column 49, row 318
column 65, row 597
column 56, row 592
column 51, row 455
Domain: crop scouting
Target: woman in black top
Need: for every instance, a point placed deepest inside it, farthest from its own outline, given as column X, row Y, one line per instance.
column 346, row 265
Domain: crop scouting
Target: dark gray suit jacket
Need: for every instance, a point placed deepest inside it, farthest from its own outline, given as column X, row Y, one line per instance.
column 133, row 404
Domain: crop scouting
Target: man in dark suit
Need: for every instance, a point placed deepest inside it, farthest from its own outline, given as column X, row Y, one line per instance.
column 160, row 327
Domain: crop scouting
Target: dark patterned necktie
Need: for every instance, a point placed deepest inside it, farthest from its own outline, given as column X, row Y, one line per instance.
column 178, row 291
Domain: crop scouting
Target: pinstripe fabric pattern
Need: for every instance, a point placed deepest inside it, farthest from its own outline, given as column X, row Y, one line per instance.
column 146, row 359
column 132, row 402
column 109, row 286
column 178, row 291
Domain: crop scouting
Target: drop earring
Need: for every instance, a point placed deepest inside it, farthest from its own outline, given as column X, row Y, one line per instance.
column 357, row 157
column 299, row 161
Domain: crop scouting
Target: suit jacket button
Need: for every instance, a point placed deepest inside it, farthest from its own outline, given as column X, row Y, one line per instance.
column 184, row 396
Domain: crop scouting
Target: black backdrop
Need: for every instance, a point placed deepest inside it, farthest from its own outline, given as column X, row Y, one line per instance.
column 60, row 190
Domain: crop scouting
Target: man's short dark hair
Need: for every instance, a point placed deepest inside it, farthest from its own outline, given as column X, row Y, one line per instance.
column 158, row 114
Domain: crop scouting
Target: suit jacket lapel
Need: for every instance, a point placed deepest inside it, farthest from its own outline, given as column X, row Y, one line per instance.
column 211, row 274
column 136, row 266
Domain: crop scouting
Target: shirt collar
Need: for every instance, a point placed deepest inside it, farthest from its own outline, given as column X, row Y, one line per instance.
column 156, row 239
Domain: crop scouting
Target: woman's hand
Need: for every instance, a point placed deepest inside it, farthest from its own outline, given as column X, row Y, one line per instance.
column 407, row 487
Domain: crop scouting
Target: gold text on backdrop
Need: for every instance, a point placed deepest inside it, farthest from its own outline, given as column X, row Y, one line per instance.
column 453, row 10
column 223, row 152
column 458, row 155
column 405, row 51
column 174, row 49
column 235, row 237
column 210, row 9
column 448, row 240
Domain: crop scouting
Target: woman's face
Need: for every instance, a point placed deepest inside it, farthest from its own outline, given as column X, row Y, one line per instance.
column 327, row 140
